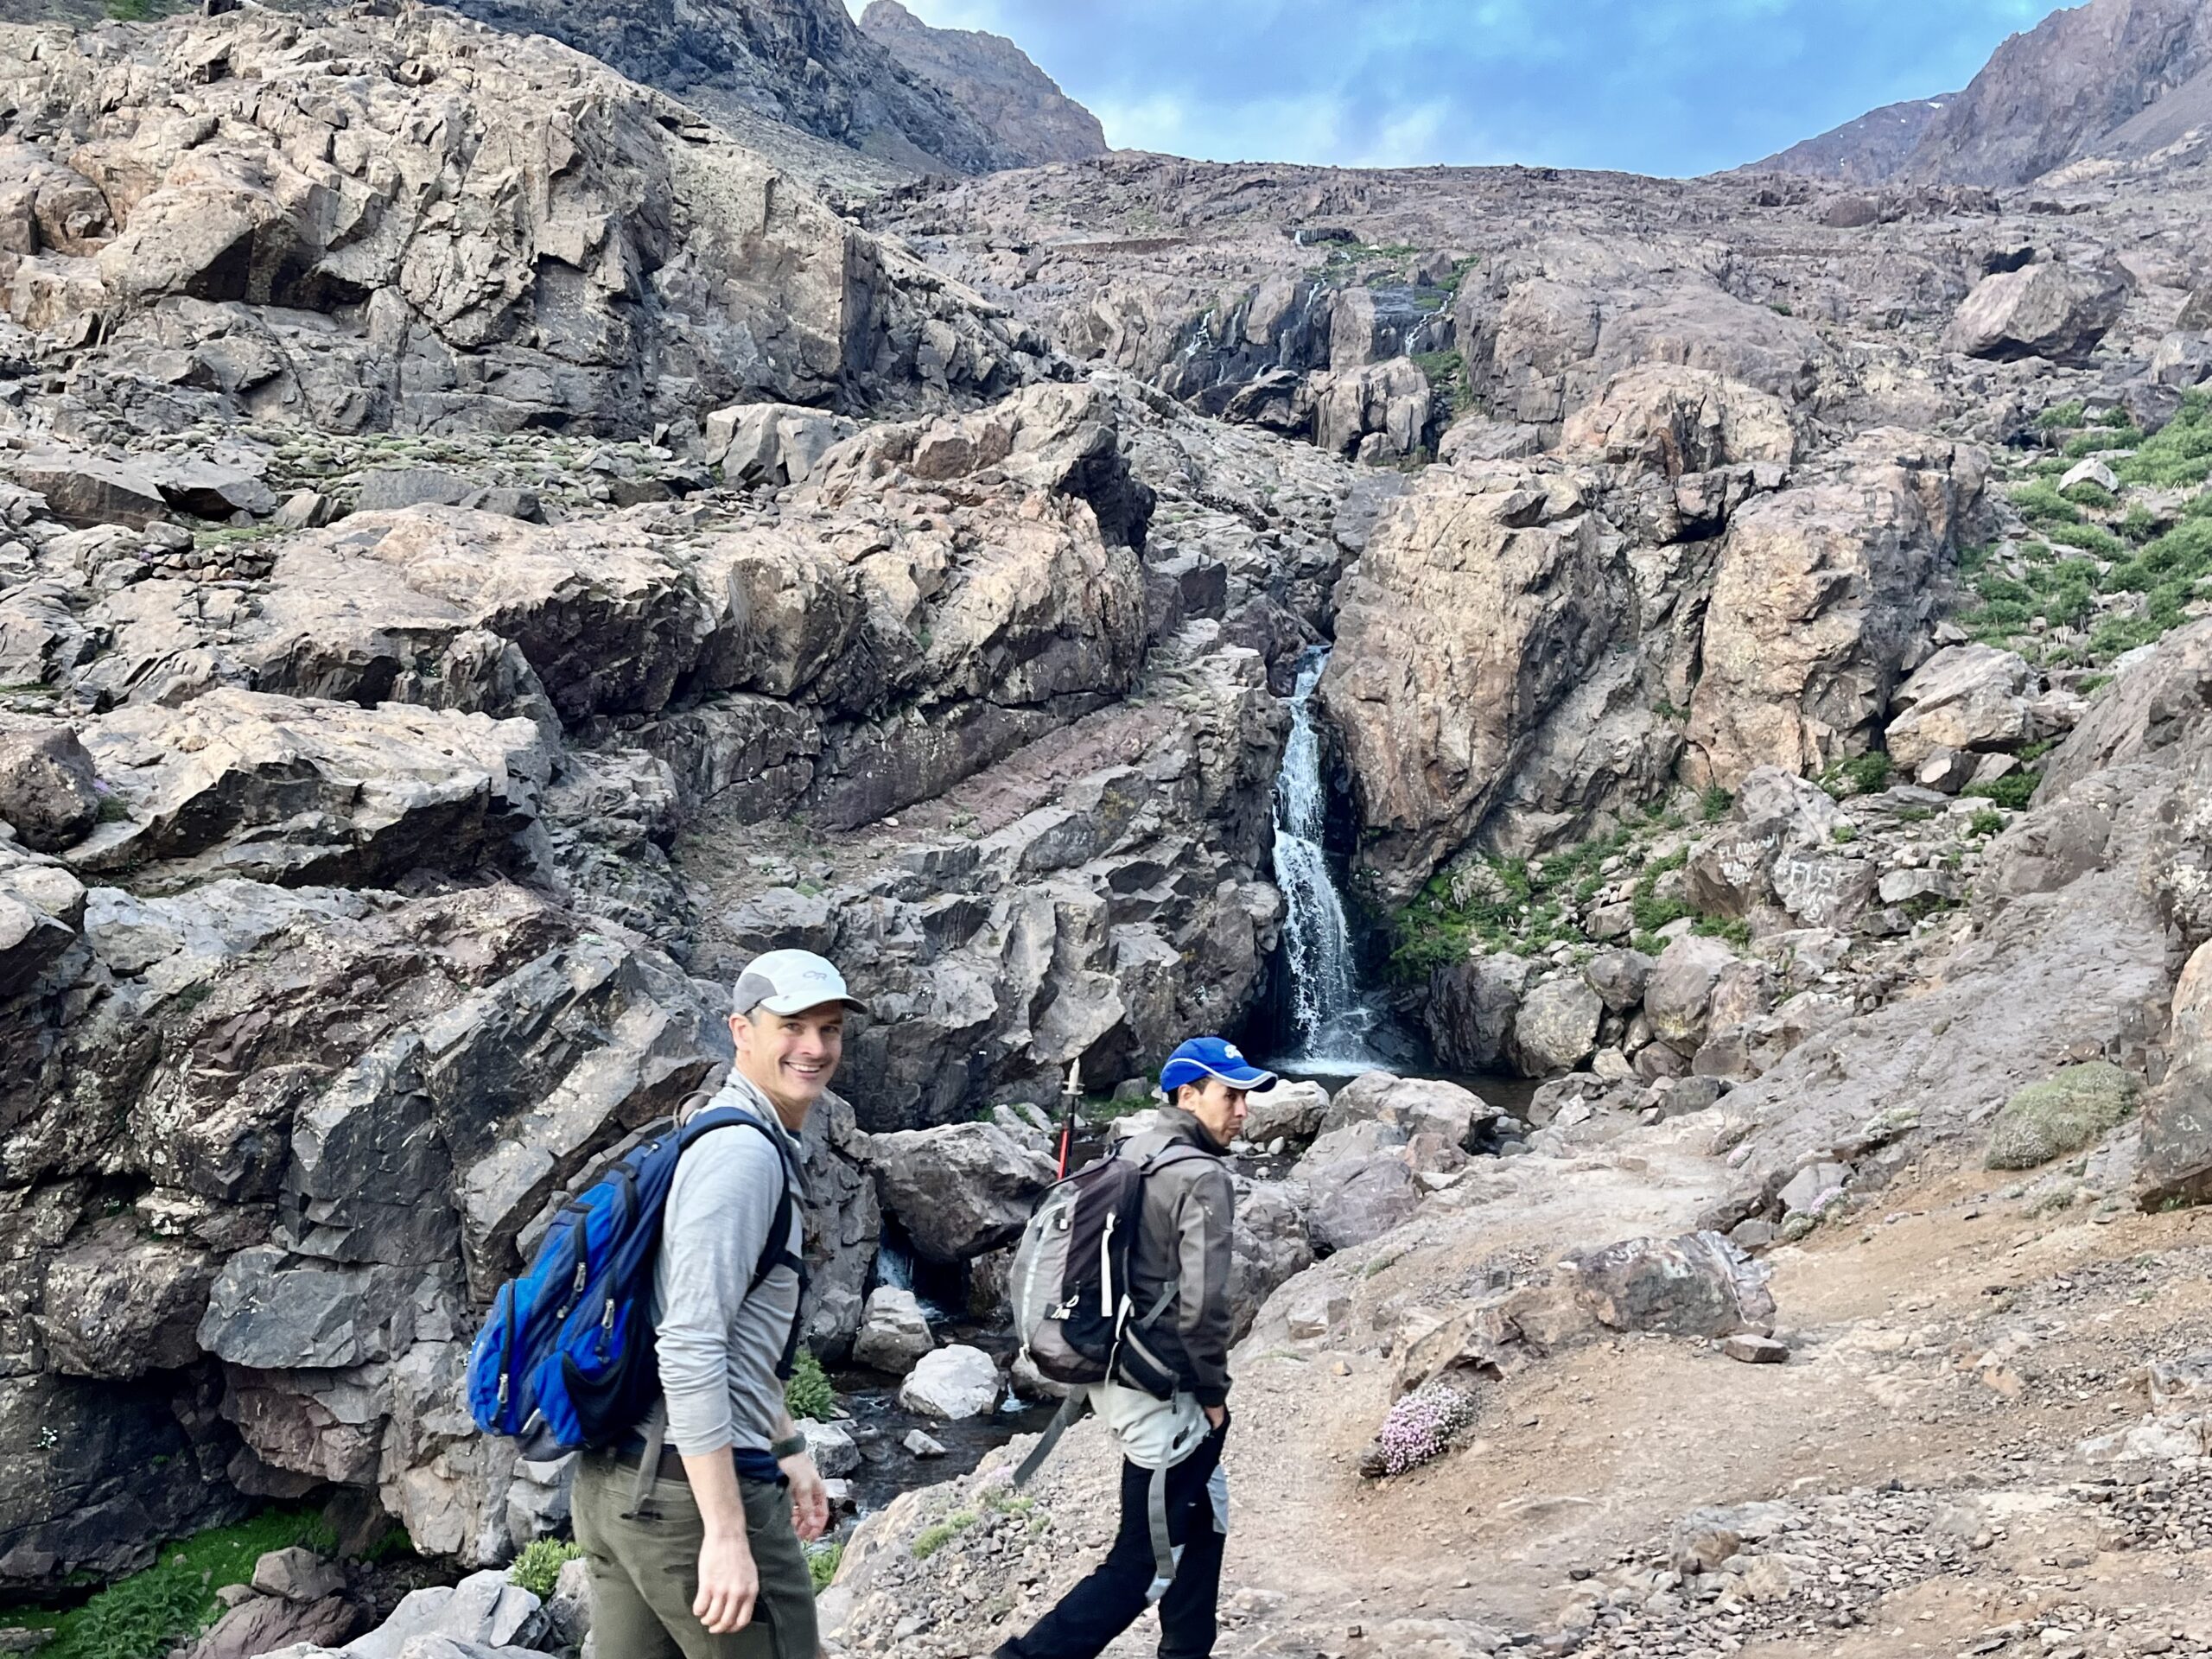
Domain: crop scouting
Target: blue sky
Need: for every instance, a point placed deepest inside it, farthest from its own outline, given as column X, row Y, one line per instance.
column 1664, row 86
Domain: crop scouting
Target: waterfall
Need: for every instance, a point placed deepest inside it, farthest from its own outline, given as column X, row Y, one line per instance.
column 1327, row 1013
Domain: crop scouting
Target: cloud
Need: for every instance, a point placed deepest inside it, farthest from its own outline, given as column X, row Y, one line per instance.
column 1667, row 87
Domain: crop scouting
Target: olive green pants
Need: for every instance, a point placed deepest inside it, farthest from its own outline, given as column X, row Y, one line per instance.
column 645, row 1570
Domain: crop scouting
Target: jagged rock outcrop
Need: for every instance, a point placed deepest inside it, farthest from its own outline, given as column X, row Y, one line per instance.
column 2049, row 311
column 1029, row 118
column 230, row 229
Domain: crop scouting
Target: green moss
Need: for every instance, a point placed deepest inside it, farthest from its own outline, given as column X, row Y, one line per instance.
column 143, row 1616
column 537, row 1569
column 809, row 1394
column 2065, row 1113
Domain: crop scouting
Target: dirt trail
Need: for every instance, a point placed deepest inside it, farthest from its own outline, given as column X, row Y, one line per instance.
column 1950, row 1351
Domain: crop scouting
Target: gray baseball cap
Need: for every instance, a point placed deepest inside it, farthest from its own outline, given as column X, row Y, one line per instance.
column 792, row 981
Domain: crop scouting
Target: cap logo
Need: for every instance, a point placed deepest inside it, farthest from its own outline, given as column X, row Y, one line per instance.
column 1231, row 1051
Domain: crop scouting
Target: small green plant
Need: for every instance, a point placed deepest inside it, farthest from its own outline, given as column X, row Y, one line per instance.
column 1447, row 373
column 1734, row 929
column 128, row 11
column 822, row 1561
column 2061, row 417
column 143, row 1616
column 1985, row 822
column 2011, row 791
column 1844, row 833
column 1714, row 803
column 1862, row 774
column 2179, row 452
column 931, row 1539
column 809, row 1394
column 537, row 1569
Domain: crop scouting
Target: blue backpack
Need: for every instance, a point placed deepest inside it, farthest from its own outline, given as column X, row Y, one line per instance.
column 567, row 1359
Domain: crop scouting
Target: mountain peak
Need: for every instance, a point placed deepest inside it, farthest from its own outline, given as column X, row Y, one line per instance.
column 1022, row 108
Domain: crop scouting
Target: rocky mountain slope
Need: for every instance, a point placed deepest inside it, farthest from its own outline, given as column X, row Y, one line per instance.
column 2112, row 77
column 486, row 550
column 1023, row 108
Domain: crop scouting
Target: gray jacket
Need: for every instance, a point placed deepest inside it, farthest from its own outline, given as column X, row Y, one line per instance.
column 1186, row 1239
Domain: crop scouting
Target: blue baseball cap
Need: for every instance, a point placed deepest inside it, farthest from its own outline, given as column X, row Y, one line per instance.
column 1209, row 1057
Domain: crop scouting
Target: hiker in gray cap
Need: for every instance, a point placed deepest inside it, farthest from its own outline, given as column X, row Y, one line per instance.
column 694, row 1547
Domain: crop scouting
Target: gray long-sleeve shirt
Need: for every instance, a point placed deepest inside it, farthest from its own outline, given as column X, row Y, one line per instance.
column 718, row 1345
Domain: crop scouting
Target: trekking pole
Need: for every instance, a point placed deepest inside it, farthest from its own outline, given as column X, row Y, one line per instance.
column 1070, row 1098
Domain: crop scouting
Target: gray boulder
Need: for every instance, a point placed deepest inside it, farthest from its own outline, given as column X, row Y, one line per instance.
column 1413, row 1106
column 267, row 1623
column 46, row 788
column 84, row 489
column 1354, row 1200
column 297, row 1574
column 893, row 1335
column 951, row 1383
column 1618, row 976
column 387, row 489
column 1292, row 1111
column 1269, row 1247
column 1677, row 1000
column 1697, row 1284
column 1964, row 697
column 1556, row 1028
column 2052, row 311
column 771, row 444
column 483, row 1609
column 1472, row 1008
column 960, row 1189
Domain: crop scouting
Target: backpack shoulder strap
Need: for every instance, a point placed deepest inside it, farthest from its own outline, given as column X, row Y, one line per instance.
column 776, row 1249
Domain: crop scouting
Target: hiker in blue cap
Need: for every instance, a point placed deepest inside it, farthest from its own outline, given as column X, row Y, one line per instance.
column 1174, row 1493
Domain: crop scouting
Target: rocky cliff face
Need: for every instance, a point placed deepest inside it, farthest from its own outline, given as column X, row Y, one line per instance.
column 2083, row 82
column 1030, row 120
column 801, row 63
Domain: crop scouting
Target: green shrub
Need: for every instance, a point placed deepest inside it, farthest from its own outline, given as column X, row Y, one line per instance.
column 2061, row 417
column 1714, row 803
column 537, row 1569
column 1862, row 774
column 931, row 1540
column 822, row 1561
column 809, row 1394
column 2064, row 1113
column 2040, row 502
column 2100, row 440
column 2090, row 538
column 2140, row 525
column 143, row 1616
column 2180, row 452
column 2012, row 791
column 1987, row 822
column 1844, row 833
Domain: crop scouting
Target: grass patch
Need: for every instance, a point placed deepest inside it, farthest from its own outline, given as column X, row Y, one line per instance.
column 931, row 1539
column 809, row 1394
column 2097, row 440
column 1714, row 803
column 2041, row 504
column 537, row 1569
column 1504, row 904
column 822, row 1563
column 2179, row 452
column 2061, row 417
column 1844, row 833
column 145, row 1615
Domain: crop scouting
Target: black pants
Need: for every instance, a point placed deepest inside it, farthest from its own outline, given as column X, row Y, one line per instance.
column 1108, row 1602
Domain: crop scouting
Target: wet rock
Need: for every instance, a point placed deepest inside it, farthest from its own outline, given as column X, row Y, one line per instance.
column 832, row 1448
column 952, row 1384
column 893, row 1335
column 1697, row 1284
column 2056, row 312
column 47, row 791
column 920, row 1445
column 960, row 1189
column 1471, row 1009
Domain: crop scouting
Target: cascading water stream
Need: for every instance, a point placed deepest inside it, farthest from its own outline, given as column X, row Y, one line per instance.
column 1328, row 1014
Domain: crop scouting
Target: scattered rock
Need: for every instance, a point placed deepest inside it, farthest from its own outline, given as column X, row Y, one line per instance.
column 952, row 1384
column 893, row 1335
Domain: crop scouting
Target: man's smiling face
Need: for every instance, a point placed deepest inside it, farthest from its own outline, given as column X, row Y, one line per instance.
column 790, row 1057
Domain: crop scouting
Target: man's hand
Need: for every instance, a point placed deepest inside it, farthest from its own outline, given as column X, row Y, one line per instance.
column 1217, row 1416
column 728, row 1583
column 810, row 1498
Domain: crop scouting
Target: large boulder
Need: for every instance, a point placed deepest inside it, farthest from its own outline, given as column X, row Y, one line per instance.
column 2053, row 311
column 1678, row 997
column 283, row 789
column 893, row 1335
column 1783, row 858
column 1673, row 420
column 1290, row 1110
column 1472, row 1008
column 1697, row 1284
column 1355, row 1199
column 959, row 1189
column 120, row 1306
column 1413, row 1106
column 1269, row 1247
column 1557, row 1026
column 1964, row 697
column 1820, row 597
column 2177, row 1114
column 47, row 791
column 951, row 1383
